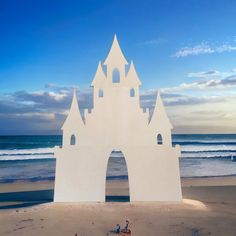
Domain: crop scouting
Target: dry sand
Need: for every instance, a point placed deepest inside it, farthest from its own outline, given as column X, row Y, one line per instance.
column 208, row 208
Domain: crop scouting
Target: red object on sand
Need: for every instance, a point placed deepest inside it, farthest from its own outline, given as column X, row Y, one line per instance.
column 125, row 233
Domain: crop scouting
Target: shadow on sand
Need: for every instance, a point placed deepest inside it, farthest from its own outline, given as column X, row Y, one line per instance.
column 25, row 199
column 31, row 198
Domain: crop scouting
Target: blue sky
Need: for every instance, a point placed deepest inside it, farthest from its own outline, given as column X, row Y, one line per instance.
column 186, row 48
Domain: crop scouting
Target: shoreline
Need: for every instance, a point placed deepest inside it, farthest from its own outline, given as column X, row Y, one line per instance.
column 229, row 180
column 214, row 189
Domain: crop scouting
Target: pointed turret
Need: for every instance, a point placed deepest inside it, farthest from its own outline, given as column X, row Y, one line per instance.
column 115, row 63
column 132, row 76
column 115, row 54
column 159, row 117
column 74, row 119
column 99, row 77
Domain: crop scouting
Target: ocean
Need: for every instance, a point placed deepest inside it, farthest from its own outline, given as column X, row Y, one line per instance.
column 31, row 158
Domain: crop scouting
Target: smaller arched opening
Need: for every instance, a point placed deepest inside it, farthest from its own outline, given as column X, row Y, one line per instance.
column 132, row 92
column 72, row 139
column 159, row 139
column 116, row 76
column 100, row 93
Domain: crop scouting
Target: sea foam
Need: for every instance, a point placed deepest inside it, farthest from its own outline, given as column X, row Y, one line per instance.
column 26, row 154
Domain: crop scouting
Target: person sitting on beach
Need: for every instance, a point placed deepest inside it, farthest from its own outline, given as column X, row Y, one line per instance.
column 117, row 229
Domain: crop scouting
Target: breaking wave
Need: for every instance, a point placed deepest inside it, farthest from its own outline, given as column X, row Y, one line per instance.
column 26, row 154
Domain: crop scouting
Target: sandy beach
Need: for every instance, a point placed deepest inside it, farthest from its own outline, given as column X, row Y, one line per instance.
column 208, row 208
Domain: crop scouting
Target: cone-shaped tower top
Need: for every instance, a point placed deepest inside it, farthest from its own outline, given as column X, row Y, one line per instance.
column 115, row 54
column 74, row 118
column 159, row 114
column 132, row 75
column 99, row 76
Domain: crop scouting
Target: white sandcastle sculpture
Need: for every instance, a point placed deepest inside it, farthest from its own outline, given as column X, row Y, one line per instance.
column 117, row 122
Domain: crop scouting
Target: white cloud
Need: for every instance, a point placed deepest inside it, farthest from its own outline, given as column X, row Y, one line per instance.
column 225, row 48
column 204, row 48
column 41, row 115
column 207, row 81
column 58, row 96
column 204, row 85
column 229, row 115
column 148, row 99
column 205, row 74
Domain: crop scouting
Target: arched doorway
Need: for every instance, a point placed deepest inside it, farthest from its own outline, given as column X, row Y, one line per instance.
column 117, row 181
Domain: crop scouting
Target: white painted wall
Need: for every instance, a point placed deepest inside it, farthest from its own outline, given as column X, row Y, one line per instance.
column 117, row 122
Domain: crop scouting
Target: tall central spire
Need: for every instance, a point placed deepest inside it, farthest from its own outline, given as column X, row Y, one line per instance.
column 115, row 54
